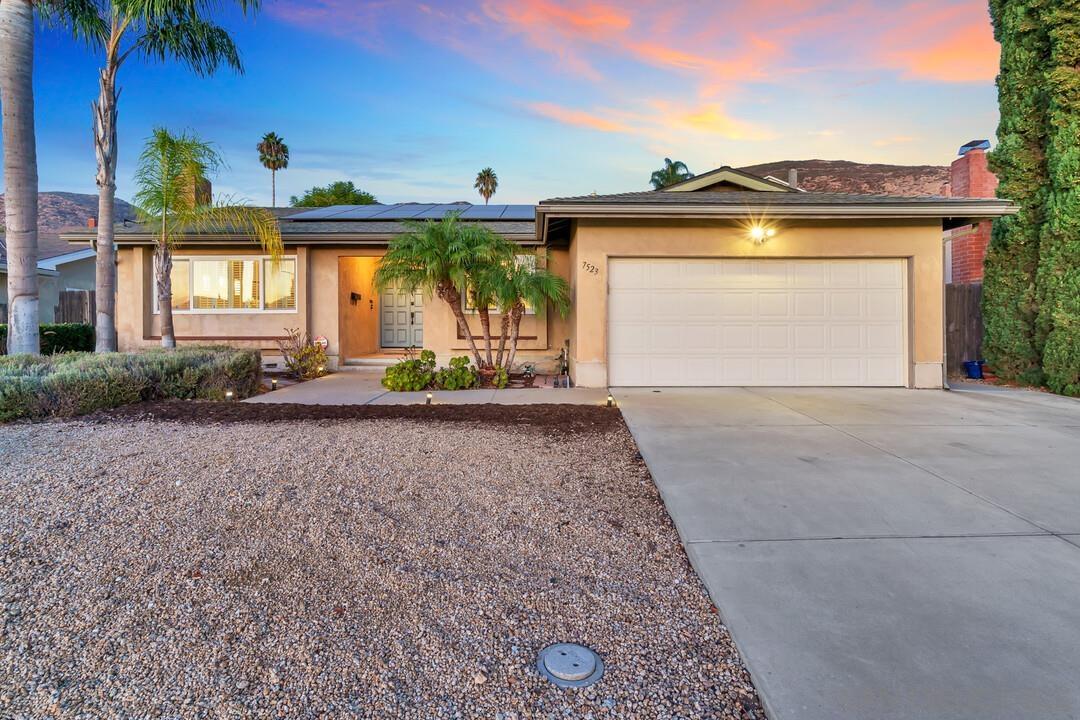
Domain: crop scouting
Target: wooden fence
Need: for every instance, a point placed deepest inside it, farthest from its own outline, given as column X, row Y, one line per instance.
column 963, row 325
column 76, row 306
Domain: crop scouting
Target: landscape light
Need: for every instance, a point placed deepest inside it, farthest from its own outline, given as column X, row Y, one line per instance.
column 228, row 394
column 610, row 401
column 320, row 369
column 428, row 399
column 273, row 383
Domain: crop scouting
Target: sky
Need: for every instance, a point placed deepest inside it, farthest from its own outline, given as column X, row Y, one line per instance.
column 561, row 97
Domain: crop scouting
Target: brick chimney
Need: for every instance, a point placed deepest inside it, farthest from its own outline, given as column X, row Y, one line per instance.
column 970, row 176
column 91, row 222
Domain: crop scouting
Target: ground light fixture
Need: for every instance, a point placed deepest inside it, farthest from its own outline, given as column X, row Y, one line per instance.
column 570, row 665
column 610, row 401
column 428, row 399
column 273, row 383
column 228, row 394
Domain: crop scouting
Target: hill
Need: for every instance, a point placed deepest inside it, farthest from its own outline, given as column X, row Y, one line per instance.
column 59, row 211
column 850, row 177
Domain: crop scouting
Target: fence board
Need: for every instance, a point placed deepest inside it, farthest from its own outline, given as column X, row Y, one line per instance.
column 76, row 306
column 963, row 325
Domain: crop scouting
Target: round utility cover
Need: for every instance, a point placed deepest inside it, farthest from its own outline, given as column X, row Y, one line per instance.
column 570, row 665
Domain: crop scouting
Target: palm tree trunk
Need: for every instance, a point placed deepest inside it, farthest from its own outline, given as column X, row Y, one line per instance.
column 273, row 188
column 485, row 323
column 163, row 283
column 515, row 332
column 20, row 173
column 106, row 149
column 503, row 332
column 452, row 296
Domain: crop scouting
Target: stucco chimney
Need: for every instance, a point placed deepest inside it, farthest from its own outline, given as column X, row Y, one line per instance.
column 793, row 178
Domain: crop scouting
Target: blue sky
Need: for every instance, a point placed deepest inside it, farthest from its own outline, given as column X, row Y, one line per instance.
column 409, row 100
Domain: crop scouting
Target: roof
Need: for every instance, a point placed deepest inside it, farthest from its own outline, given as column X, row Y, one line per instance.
column 53, row 263
column 728, row 175
column 347, row 224
column 554, row 215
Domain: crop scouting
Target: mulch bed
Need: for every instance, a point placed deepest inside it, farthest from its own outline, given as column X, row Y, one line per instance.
column 566, row 418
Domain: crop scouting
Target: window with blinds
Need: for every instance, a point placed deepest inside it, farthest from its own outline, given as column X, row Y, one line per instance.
column 223, row 284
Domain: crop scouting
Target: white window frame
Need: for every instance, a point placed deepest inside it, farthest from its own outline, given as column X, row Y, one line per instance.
column 261, row 259
column 467, row 305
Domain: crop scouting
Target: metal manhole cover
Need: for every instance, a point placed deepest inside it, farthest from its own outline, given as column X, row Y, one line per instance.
column 570, row 665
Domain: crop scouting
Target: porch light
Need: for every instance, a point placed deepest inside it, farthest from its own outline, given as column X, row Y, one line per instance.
column 428, row 399
column 759, row 233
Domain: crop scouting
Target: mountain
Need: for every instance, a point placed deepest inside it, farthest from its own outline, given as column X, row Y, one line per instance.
column 60, row 211
column 850, row 177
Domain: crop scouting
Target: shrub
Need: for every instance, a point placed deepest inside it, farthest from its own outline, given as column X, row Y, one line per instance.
column 304, row 360
column 501, row 378
column 412, row 373
column 59, row 338
column 459, row 376
column 77, row 383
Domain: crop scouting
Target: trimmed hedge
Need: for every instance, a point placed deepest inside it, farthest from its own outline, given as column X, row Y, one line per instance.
column 59, row 338
column 70, row 384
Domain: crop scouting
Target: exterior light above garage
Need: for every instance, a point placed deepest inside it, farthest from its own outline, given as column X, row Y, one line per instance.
column 759, row 233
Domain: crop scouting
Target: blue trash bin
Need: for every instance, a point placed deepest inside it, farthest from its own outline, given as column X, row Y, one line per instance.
column 974, row 369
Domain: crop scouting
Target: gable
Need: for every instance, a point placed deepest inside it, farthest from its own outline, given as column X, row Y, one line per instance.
column 727, row 179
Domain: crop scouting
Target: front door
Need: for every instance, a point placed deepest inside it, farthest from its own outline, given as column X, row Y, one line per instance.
column 402, row 318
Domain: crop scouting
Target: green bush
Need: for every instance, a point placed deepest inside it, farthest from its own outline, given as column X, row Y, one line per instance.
column 73, row 384
column 59, row 338
column 304, row 359
column 501, row 378
column 411, row 374
column 459, row 376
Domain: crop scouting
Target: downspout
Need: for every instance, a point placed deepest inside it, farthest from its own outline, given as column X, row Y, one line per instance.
column 944, row 318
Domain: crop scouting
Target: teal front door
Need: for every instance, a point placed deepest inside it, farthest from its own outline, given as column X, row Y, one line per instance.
column 402, row 318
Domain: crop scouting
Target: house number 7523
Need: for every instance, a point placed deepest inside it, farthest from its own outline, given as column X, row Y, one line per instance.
column 590, row 268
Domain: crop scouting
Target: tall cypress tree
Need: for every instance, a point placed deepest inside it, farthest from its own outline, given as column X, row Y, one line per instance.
column 1010, row 299
column 1058, row 278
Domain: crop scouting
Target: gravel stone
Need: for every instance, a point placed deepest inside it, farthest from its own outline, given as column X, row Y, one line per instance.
column 359, row 567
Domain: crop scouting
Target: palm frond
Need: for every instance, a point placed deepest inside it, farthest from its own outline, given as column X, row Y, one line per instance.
column 84, row 17
column 201, row 45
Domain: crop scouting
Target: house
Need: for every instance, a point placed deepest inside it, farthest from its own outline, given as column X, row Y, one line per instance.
column 969, row 177
column 56, row 273
column 724, row 279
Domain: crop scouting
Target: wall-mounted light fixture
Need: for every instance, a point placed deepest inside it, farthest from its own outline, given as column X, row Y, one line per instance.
column 760, row 234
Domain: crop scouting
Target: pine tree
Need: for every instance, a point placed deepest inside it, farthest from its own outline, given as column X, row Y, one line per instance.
column 1010, row 299
column 1058, row 277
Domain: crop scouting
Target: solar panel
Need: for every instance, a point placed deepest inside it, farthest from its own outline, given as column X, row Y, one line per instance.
column 403, row 211
column 483, row 212
column 362, row 212
column 519, row 212
column 438, row 212
column 323, row 212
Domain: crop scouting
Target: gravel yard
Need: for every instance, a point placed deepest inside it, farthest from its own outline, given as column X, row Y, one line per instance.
column 356, row 566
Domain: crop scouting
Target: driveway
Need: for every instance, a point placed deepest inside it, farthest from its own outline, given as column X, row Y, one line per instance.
column 877, row 553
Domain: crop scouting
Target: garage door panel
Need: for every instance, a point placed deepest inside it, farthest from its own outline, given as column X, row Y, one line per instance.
column 756, row 322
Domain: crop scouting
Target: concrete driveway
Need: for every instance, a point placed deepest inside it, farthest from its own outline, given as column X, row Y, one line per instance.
column 879, row 553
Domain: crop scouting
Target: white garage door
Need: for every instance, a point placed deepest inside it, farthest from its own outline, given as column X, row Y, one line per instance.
column 682, row 322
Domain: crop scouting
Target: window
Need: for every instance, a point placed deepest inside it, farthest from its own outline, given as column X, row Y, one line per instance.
column 528, row 261
column 225, row 284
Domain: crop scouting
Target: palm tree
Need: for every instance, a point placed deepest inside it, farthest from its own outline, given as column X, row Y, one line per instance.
column 524, row 284
column 172, row 170
column 672, row 172
column 153, row 30
column 441, row 258
column 20, row 151
column 487, row 182
column 274, row 156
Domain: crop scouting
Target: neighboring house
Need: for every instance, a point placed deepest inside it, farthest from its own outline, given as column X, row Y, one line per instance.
column 67, row 271
column 724, row 279
column 965, row 247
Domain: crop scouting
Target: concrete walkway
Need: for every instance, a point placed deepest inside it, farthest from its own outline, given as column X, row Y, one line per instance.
column 362, row 387
column 882, row 554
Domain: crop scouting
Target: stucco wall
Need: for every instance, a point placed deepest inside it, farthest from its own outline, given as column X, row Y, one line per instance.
column 594, row 242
